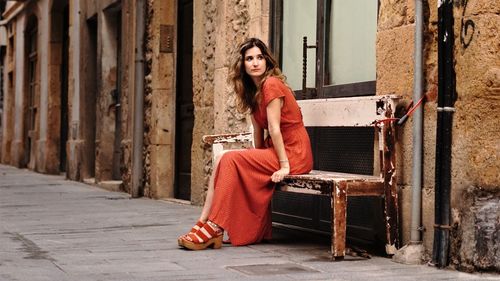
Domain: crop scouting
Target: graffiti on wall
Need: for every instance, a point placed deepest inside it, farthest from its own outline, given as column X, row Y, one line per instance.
column 467, row 27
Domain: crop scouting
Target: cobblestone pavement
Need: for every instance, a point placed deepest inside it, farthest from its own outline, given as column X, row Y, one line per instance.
column 53, row 229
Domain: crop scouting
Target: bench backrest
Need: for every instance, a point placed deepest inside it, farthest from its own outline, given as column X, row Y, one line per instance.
column 366, row 111
column 347, row 112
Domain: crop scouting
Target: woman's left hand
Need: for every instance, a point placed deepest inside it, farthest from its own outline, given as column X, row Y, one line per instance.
column 280, row 174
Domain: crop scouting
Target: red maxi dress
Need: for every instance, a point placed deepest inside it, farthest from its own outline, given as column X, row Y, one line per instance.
column 243, row 186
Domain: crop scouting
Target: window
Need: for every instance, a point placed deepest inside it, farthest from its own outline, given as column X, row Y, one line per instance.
column 326, row 48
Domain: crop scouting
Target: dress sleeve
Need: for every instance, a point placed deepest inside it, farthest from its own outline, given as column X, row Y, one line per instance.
column 273, row 88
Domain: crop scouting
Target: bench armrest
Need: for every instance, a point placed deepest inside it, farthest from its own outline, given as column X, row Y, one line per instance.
column 225, row 142
column 228, row 138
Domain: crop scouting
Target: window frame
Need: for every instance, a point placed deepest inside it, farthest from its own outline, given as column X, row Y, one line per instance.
column 365, row 88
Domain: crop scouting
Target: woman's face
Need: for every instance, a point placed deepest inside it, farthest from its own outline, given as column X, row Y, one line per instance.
column 255, row 64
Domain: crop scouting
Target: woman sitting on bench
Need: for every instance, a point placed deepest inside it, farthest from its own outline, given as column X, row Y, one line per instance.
column 242, row 184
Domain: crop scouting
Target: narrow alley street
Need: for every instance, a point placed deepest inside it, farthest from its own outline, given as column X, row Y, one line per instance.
column 54, row 229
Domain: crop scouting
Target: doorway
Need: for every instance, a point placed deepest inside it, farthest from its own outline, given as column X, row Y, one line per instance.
column 64, row 91
column 184, row 104
column 31, row 94
column 90, row 99
column 108, row 100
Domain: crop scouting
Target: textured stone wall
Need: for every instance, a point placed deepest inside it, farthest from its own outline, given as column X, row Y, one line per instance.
column 148, row 53
column 476, row 130
column 395, row 62
column 476, row 134
column 203, row 92
column 159, row 104
column 232, row 20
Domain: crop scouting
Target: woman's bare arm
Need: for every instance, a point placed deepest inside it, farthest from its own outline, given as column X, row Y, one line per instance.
column 274, row 120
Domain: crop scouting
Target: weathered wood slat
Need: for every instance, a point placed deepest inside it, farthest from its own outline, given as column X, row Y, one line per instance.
column 316, row 175
column 345, row 112
column 227, row 138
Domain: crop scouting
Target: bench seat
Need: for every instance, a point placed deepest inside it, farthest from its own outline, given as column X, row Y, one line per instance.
column 320, row 182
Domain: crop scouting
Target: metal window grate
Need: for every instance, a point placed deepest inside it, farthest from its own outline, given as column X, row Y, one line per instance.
column 348, row 150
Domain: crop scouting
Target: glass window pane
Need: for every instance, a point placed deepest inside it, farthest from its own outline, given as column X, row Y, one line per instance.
column 299, row 20
column 350, row 47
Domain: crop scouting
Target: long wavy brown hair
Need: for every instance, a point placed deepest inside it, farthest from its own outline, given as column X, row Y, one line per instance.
column 247, row 92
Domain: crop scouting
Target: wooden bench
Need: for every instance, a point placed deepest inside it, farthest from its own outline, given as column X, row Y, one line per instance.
column 370, row 111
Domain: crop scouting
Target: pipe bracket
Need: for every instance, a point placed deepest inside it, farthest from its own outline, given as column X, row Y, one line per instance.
column 446, row 108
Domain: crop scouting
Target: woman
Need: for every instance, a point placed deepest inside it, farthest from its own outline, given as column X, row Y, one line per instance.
column 242, row 185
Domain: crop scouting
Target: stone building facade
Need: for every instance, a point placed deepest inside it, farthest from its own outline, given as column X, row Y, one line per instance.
column 69, row 84
column 68, row 101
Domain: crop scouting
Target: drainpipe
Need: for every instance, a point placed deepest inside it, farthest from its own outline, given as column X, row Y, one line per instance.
column 412, row 253
column 445, row 110
column 138, row 141
column 416, row 203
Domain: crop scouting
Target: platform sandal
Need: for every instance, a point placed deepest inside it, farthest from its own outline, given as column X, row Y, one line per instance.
column 208, row 236
column 199, row 224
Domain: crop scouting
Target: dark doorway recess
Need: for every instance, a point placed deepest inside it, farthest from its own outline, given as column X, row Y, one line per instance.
column 90, row 99
column 184, row 105
column 64, row 90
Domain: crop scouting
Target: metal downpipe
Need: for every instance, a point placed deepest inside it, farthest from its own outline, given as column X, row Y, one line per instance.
column 416, row 203
column 138, row 129
column 445, row 110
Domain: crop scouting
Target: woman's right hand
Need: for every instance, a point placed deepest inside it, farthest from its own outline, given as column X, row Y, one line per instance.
column 280, row 174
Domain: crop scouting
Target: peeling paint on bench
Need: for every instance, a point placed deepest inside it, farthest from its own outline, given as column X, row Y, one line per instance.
column 227, row 138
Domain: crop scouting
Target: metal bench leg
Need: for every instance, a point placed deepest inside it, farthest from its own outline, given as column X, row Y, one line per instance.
column 339, row 214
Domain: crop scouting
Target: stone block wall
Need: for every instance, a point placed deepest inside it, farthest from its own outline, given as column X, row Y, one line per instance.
column 159, row 103
column 395, row 70
column 476, row 130
column 476, row 134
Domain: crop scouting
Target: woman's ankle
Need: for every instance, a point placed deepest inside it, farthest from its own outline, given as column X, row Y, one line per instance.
column 215, row 226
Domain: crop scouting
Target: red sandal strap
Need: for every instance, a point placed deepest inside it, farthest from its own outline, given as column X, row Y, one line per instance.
column 204, row 234
column 197, row 226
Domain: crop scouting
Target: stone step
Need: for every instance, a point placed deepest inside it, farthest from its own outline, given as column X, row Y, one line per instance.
column 111, row 185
